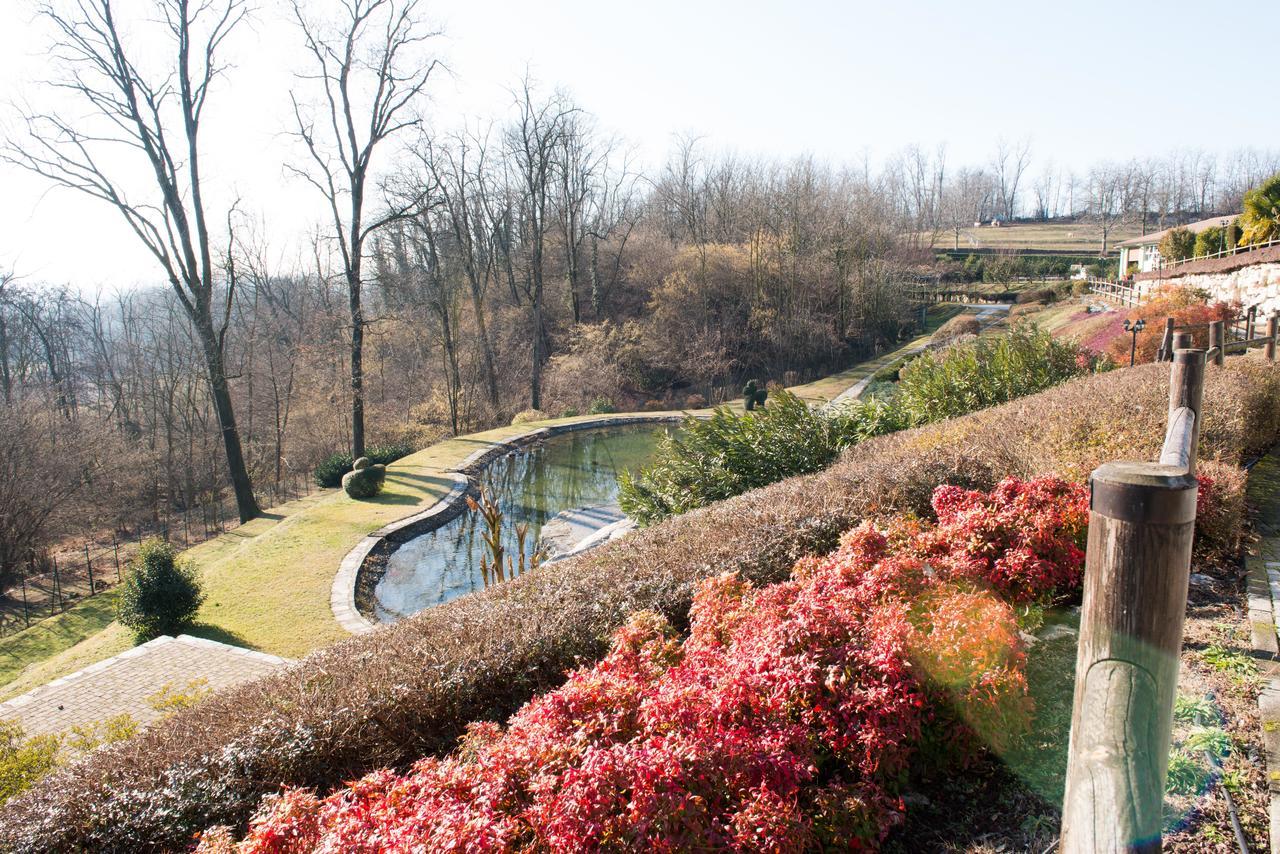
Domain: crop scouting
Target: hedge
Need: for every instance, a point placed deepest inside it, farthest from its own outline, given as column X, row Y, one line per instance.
column 331, row 469
column 409, row 690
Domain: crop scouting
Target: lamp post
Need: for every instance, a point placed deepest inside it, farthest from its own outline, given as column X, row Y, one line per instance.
column 1222, row 238
column 1134, row 329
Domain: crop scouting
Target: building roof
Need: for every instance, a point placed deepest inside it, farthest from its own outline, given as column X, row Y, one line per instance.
column 1193, row 227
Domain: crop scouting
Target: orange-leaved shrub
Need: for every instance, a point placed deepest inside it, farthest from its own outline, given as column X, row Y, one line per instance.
column 1187, row 307
column 786, row 721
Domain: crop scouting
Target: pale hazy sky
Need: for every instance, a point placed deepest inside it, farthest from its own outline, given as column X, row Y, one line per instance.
column 1084, row 80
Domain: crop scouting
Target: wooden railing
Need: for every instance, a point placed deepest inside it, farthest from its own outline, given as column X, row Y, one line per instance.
column 1116, row 291
column 1225, row 336
column 1138, row 559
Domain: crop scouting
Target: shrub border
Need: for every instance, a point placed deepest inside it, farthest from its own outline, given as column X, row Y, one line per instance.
column 363, row 566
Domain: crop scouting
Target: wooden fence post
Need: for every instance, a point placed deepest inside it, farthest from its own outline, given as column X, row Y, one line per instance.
column 1141, row 524
column 1249, row 322
column 57, row 588
column 1218, row 339
column 1273, row 329
column 1166, row 341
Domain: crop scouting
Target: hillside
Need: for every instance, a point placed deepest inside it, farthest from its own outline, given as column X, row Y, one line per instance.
column 1083, row 238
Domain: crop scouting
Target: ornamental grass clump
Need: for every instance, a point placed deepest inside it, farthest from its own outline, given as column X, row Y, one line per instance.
column 788, row 719
column 160, row 593
column 987, row 372
column 728, row 454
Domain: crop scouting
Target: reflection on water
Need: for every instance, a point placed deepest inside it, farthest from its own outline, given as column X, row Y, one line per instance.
column 578, row 469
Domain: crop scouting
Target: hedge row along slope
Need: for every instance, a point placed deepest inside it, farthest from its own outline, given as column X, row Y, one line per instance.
column 410, row 690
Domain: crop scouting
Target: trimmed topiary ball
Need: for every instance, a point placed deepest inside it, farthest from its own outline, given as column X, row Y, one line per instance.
column 528, row 416
column 362, row 463
column 160, row 593
column 363, row 483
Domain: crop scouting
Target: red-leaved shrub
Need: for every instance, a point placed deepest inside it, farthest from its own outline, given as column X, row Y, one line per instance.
column 785, row 721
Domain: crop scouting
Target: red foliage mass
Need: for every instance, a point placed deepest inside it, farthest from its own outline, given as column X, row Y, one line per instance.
column 785, row 721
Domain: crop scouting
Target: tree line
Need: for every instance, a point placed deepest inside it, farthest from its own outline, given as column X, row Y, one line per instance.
column 936, row 201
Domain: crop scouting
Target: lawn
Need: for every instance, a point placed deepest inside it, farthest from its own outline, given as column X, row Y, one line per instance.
column 51, row 636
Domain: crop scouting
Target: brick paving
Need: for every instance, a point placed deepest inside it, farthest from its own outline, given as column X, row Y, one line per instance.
column 122, row 684
column 1264, row 603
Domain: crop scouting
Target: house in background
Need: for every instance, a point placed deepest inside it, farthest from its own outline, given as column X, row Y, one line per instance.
column 1145, row 250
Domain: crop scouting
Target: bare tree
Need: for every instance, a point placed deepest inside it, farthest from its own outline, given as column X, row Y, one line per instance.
column 156, row 121
column 457, row 172
column 920, row 184
column 6, row 374
column 371, row 75
column 1107, row 191
column 533, row 142
column 1008, row 165
column 581, row 165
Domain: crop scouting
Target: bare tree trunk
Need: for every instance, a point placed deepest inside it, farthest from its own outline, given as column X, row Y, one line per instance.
column 486, row 346
column 357, row 362
column 215, row 362
column 6, row 381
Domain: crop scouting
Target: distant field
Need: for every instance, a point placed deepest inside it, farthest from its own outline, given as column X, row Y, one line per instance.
column 1083, row 238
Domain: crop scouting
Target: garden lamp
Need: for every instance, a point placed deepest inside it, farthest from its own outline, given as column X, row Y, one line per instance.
column 1134, row 329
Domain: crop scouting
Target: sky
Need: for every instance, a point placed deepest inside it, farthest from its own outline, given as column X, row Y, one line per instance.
column 1083, row 81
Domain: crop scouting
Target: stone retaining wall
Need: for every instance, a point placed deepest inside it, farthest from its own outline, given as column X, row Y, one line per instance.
column 1257, row 284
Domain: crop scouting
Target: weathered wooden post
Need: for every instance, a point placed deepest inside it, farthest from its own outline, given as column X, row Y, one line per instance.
column 1218, row 342
column 1166, row 341
column 1273, row 330
column 1141, row 523
column 1250, row 317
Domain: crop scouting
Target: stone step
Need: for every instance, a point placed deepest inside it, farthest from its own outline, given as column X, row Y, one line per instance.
column 1263, row 596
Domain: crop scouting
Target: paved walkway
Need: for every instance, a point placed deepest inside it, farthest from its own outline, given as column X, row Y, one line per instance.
column 1264, row 602
column 987, row 315
column 122, row 684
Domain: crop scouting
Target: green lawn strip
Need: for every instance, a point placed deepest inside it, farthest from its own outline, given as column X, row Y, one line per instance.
column 831, row 387
column 1063, row 238
column 54, row 634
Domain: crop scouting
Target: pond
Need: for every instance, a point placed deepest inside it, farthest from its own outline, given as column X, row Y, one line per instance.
column 572, row 470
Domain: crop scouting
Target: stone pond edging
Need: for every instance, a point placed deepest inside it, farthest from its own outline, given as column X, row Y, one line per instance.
column 385, row 540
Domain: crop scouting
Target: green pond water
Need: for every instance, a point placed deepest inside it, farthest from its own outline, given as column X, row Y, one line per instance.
column 566, row 472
